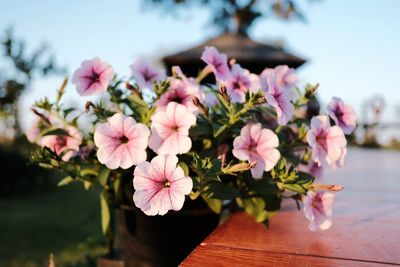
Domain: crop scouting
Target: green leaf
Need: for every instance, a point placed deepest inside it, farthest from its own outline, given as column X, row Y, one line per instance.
column 45, row 165
column 264, row 187
column 256, row 208
column 68, row 111
column 218, row 190
column 104, row 173
column 65, row 181
column 220, row 130
column 184, row 167
column 295, row 188
column 89, row 172
column 105, row 213
column 116, row 185
column 136, row 100
column 214, row 204
column 216, row 168
column 87, row 184
column 55, row 131
column 304, row 178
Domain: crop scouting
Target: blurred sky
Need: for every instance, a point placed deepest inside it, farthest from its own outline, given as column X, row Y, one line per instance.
column 353, row 47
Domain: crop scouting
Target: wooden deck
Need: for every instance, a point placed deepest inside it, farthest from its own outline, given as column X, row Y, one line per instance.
column 365, row 231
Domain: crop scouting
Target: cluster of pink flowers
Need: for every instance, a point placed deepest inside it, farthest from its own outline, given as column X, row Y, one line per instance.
column 160, row 184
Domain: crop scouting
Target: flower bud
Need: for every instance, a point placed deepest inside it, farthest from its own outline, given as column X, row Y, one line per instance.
column 200, row 105
column 88, row 105
column 133, row 89
column 327, row 187
column 240, row 167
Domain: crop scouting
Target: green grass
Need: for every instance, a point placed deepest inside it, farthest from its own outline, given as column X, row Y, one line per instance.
column 65, row 222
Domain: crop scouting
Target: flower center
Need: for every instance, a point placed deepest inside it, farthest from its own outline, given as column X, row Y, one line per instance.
column 321, row 141
column 61, row 140
column 124, row 140
column 253, row 148
column 148, row 76
column 176, row 99
column 167, row 184
column 94, row 77
column 339, row 114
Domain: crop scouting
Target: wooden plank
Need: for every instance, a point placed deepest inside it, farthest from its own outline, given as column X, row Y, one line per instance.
column 366, row 226
column 218, row 256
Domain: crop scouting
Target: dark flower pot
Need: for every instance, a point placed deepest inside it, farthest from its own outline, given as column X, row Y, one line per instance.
column 163, row 240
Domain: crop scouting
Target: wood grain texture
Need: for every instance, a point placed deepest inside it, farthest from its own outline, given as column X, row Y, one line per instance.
column 366, row 229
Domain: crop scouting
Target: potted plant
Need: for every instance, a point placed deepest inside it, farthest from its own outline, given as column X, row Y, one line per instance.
column 171, row 153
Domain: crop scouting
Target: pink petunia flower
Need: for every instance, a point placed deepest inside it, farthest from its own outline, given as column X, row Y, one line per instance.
column 68, row 145
column 93, row 77
column 145, row 75
column 170, row 130
column 160, row 185
column 318, row 209
column 121, row 142
column 278, row 97
column 39, row 123
column 328, row 143
column 257, row 144
column 218, row 62
column 240, row 81
column 285, row 77
column 182, row 91
column 343, row 115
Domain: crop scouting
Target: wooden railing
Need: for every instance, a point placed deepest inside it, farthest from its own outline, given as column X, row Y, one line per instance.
column 366, row 229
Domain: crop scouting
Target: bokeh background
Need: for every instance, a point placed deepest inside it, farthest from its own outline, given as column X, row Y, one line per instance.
column 351, row 47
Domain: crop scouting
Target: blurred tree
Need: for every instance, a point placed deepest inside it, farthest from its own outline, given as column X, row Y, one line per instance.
column 238, row 15
column 20, row 68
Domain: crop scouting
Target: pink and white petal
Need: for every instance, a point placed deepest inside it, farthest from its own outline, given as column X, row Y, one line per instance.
column 155, row 141
column 177, row 200
column 183, row 185
column 176, row 174
column 271, row 157
column 145, row 170
column 267, row 139
column 143, row 183
column 114, row 160
column 183, row 117
column 242, row 154
column 164, row 165
column 258, row 171
column 104, row 153
column 255, row 131
column 336, row 137
column 240, row 143
column 142, row 199
column 319, row 123
column 160, row 203
column 117, row 122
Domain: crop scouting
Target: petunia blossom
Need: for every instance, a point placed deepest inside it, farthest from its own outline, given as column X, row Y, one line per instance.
column 145, row 75
column 257, row 144
column 160, row 185
column 328, row 143
column 343, row 115
column 278, row 97
column 93, row 77
column 182, row 91
column 240, row 81
column 66, row 145
column 285, row 77
column 121, row 142
column 318, row 209
column 170, row 130
column 218, row 63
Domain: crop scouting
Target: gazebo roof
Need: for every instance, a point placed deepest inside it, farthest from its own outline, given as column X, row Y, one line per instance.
column 250, row 54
